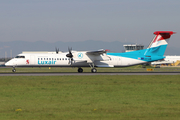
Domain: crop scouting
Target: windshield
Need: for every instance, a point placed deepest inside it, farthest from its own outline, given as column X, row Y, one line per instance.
column 20, row 57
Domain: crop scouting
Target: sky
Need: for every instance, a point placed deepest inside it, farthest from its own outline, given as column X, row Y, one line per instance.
column 81, row 20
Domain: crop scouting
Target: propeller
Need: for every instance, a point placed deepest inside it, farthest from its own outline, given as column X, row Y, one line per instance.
column 70, row 55
column 57, row 50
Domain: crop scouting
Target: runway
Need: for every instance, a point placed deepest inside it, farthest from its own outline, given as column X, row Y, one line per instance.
column 81, row 74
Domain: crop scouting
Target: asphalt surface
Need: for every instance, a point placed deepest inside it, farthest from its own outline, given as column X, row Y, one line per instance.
column 105, row 73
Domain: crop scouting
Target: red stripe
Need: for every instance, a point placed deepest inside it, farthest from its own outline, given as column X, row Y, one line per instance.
column 164, row 32
column 163, row 35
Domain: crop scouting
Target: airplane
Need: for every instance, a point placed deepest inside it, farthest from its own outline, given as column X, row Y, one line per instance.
column 100, row 58
column 167, row 60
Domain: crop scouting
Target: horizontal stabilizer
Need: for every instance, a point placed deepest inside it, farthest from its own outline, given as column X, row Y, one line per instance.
column 164, row 32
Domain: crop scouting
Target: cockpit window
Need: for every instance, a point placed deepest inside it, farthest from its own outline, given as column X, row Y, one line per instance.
column 20, row 57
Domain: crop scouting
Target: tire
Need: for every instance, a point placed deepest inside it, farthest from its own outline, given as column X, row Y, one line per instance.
column 80, row 70
column 13, row 70
column 93, row 70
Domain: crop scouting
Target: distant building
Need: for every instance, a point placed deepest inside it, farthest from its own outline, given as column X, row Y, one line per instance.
column 134, row 47
column 2, row 63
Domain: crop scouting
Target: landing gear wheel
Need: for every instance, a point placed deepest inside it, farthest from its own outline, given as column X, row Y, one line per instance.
column 93, row 70
column 13, row 70
column 80, row 70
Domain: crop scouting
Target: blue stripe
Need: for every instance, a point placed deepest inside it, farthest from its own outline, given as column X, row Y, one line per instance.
column 148, row 55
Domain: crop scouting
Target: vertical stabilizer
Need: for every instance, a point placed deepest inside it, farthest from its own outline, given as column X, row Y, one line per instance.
column 159, row 43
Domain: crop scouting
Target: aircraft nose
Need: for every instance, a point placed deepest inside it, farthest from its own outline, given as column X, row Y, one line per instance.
column 8, row 63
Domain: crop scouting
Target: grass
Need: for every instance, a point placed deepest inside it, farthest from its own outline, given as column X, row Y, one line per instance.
column 90, row 97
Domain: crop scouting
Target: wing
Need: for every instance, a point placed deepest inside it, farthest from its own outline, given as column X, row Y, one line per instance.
column 98, row 52
column 90, row 56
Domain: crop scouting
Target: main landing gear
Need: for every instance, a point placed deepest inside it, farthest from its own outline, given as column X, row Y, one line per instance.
column 93, row 70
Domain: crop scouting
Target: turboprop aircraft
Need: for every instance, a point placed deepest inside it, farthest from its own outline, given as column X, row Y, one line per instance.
column 93, row 59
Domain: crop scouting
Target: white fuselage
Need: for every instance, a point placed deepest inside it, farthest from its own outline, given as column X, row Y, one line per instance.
column 60, row 60
column 99, row 58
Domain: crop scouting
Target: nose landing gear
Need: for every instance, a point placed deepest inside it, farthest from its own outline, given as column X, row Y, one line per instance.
column 13, row 70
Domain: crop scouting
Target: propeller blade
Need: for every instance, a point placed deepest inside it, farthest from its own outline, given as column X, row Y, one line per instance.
column 69, row 55
column 57, row 50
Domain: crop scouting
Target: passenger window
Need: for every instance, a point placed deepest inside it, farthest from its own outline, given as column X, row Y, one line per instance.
column 62, row 58
column 65, row 58
column 38, row 58
column 41, row 59
column 52, row 58
column 49, row 58
column 57, row 58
